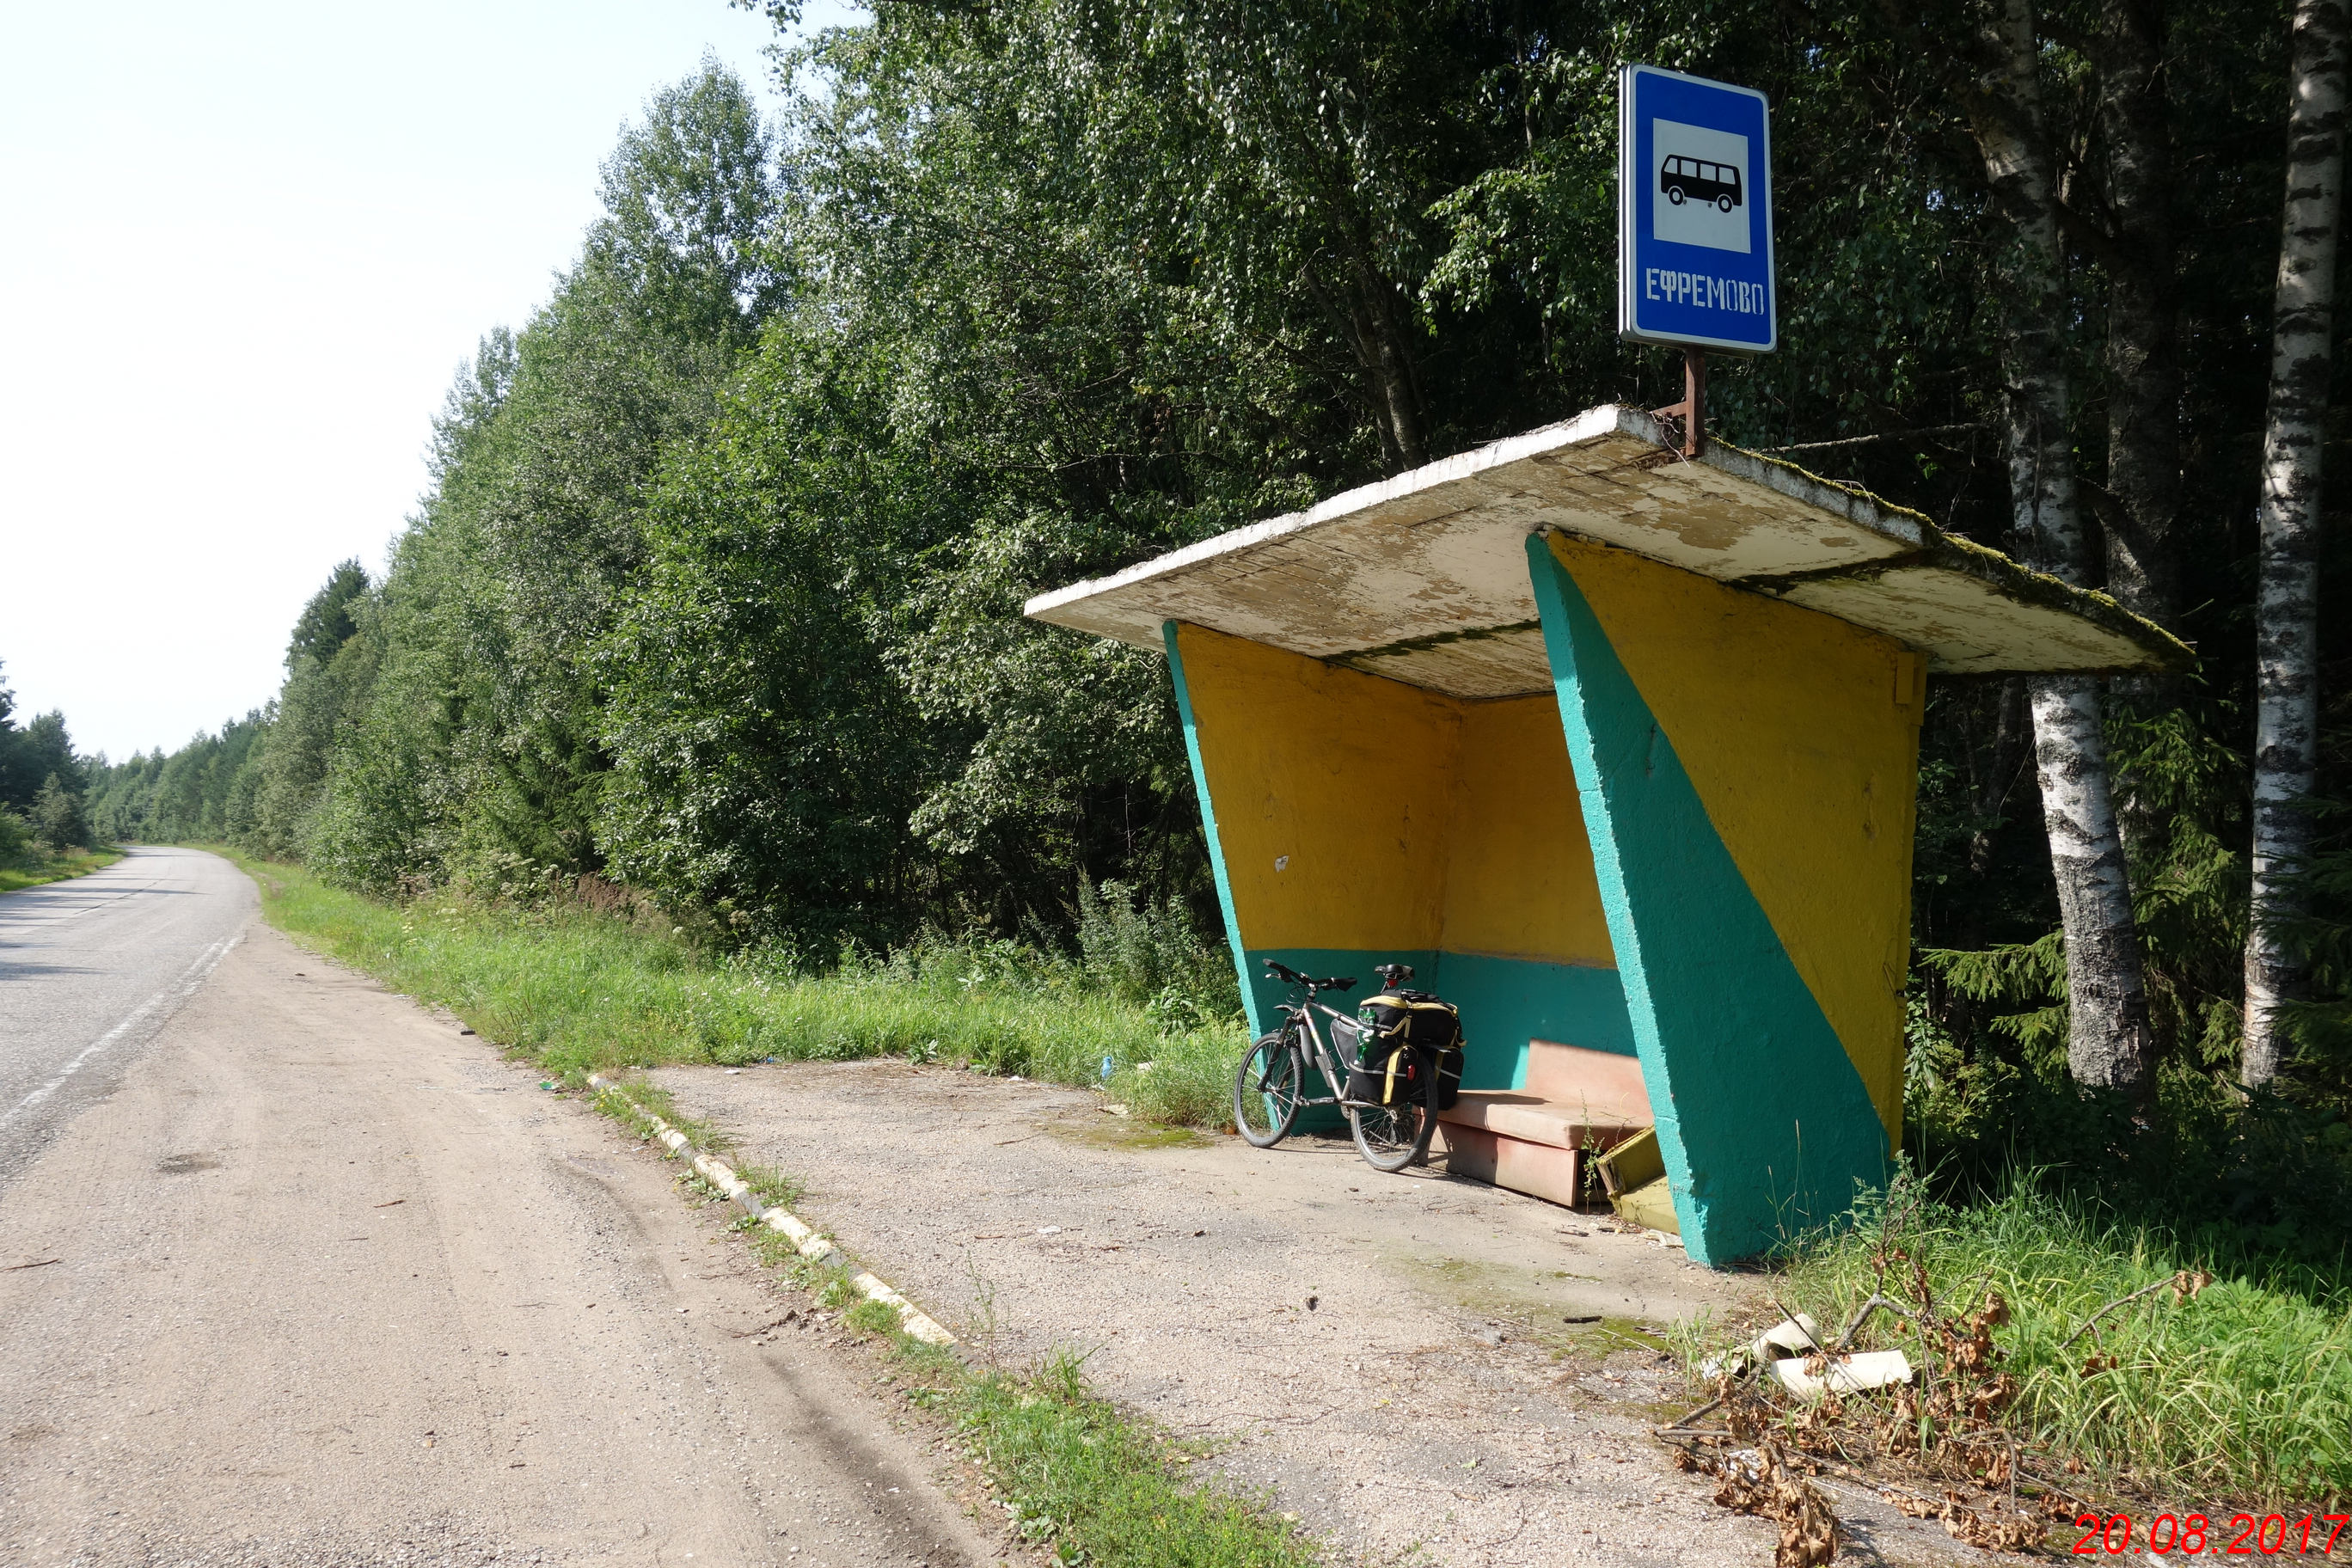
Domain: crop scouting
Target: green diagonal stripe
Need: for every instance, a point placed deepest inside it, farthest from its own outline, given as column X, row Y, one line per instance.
column 1260, row 1016
column 1765, row 1125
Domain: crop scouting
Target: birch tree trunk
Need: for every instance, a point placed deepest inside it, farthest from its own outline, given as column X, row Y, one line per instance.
column 2108, row 1047
column 1382, row 345
column 2286, row 599
column 2142, row 359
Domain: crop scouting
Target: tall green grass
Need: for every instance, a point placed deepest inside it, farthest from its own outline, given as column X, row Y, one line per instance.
column 31, row 867
column 581, row 990
column 2242, row 1395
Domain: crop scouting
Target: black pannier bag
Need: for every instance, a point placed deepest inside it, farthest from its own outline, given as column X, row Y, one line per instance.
column 1388, row 1075
column 1412, row 1018
column 1449, row 1077
column 1419, row 1019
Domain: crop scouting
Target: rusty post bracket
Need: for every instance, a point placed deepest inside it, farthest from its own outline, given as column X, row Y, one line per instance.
column 1686, row 422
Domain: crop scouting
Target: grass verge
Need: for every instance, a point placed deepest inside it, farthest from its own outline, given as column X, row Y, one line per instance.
column 1077, row 1478
column 35, row 870
column 578, row 991
column 2237, row 1392
column 1071, row 1471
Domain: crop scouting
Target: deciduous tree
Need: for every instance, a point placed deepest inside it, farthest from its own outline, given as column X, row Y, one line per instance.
column 2108, row 1045
column 2286, row 607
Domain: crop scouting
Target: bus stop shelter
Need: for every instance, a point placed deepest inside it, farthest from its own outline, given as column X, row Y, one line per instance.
column 1618, row 748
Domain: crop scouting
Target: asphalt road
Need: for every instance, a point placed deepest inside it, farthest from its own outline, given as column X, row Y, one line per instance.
column 91, row 969
column 294, row 1273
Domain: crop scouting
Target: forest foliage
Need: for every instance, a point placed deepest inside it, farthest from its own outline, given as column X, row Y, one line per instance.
column 44, row 784
column 715, row 592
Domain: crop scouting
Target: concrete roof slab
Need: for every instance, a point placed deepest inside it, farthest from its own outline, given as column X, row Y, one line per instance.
column 1423, row 577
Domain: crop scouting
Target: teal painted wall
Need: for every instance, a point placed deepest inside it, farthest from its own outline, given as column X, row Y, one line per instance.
column 1504, row 1002
column 1765, row 1125
column 1209, row 823
column 1507, row 1001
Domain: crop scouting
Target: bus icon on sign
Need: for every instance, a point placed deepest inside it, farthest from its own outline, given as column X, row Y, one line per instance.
column 1684, row 180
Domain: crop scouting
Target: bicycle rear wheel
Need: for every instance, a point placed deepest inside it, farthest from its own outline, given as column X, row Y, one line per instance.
column 1267, row 1090
column 1391, row 1137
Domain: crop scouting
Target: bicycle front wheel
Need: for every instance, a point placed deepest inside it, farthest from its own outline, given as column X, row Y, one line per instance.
column 1266, row 1091
column 1391, row 1137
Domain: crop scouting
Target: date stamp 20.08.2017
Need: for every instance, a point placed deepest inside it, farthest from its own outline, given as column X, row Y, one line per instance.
column 2244, row 1535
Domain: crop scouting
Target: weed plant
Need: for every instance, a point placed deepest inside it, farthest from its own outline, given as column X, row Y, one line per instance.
column 2235, row 1395
column 578, row 989
column 2068, row 1200
column 1100, row 1488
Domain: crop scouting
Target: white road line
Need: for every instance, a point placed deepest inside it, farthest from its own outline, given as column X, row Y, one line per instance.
column 99, row 899
column 178, row 991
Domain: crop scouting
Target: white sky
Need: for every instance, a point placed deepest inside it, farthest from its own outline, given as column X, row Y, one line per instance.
column 243, row 250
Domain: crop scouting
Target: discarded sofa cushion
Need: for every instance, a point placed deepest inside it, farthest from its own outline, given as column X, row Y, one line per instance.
column 1534, row 1138
column 1573, row 1098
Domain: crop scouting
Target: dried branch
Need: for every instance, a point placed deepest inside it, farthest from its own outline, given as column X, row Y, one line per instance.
column 1861, row 1315
column 2183, row 1284
column 1690, row 1417
column 1790, row 1318
column 1867, row 441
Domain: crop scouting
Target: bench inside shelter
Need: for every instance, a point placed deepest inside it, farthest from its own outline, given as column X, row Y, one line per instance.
column 1535, row 1138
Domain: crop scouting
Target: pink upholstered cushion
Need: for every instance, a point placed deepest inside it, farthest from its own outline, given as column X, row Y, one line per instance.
column 1519, row 1115
column 1573, row 1075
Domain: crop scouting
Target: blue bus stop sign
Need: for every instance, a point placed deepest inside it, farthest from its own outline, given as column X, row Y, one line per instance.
column 1693, row 214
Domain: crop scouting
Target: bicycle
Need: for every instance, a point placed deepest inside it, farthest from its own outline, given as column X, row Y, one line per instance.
column 1270, row 1088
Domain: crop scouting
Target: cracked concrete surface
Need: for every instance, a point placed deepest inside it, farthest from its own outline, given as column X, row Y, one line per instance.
column 1393, row 1357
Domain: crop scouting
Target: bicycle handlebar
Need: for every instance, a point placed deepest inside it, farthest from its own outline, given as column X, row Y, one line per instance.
column 1284, row 972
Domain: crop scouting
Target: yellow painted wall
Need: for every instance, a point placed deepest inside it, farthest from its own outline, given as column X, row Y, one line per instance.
column 1346, row 775
column 1520, row 882
column 1800, row 734
column 1409, row 820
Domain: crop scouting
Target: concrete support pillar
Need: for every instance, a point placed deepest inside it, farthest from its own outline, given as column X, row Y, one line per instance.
column 1763, row 1113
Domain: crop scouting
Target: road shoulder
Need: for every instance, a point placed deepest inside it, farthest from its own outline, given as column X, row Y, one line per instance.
column 334, row 1282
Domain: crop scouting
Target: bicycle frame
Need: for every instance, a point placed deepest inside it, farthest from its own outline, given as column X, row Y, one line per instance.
column 1320, row 1053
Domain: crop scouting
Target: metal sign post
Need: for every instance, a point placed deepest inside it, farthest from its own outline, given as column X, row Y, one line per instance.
column 1686, row 422
column 1694, row 227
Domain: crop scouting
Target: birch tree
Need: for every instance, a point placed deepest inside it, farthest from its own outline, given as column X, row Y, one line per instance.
column 2108, row 1047
column 2141, row 502
column 2286, row 608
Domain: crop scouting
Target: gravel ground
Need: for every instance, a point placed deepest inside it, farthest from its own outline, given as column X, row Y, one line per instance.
column 1411, row 1364
column 324, row 1282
